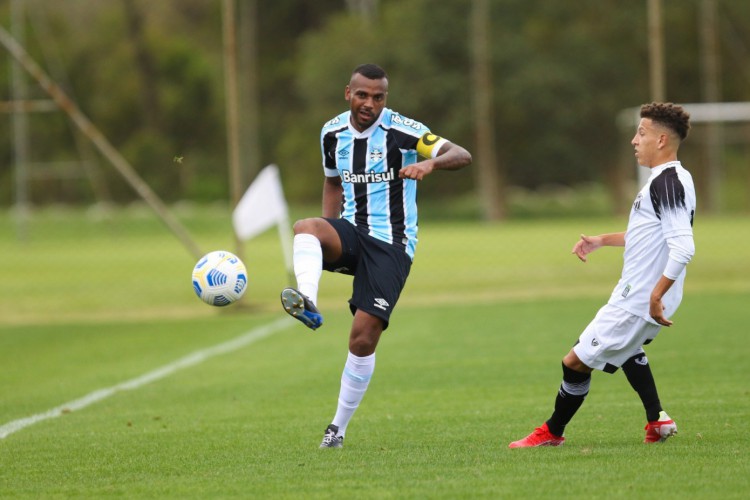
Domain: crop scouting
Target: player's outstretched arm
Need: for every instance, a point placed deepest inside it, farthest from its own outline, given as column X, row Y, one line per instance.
column 450, row 157
column 588, row 244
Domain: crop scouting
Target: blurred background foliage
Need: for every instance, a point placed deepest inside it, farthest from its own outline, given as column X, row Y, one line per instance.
column 150, row 76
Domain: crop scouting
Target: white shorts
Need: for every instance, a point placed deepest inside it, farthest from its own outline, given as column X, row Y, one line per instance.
column 613, row 337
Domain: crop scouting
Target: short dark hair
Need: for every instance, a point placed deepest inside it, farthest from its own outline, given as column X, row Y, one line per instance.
column 370, row 71
column 669, row 115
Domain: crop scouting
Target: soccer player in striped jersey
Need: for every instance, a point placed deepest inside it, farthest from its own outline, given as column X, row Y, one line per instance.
column 373, row 158
column 658, row 245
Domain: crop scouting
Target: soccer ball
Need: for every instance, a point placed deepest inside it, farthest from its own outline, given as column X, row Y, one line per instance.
column 219, row 278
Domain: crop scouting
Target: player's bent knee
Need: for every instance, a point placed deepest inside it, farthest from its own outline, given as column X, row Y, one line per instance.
column 304, row 226
column 362, row 349
column 317, row 226
column 365, row 334
column 572, row 361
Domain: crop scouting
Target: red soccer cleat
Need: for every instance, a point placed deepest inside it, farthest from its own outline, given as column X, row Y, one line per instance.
column 540, row 437
column 660, row 430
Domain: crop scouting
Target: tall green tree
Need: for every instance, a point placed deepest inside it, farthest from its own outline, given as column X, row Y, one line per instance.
column 150, row 75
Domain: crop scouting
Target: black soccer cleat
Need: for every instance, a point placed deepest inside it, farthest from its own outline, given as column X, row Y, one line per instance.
column 330, row 439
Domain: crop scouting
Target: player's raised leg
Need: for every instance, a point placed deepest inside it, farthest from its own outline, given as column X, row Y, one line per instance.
column 308, row 267
column 315, row 240
column 301, row 308
column 300, row 303
column 308, row 264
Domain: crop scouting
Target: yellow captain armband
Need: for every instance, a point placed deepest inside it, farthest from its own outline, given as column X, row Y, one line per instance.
column 429, row 145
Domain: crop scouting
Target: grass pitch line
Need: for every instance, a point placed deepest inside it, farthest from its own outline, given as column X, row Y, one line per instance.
column 192, row 359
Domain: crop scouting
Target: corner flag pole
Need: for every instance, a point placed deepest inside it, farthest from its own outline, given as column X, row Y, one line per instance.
column 263, row 205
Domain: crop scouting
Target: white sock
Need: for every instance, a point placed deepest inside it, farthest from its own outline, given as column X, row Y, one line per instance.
column 354, row 382
column 308, row 264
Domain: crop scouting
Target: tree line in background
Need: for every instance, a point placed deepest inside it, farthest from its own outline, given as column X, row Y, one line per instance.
column 150, row 75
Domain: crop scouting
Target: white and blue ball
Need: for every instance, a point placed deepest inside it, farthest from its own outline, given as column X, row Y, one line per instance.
column 219, row 278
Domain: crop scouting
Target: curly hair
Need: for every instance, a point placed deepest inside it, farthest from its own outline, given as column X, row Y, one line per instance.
column 669, row 115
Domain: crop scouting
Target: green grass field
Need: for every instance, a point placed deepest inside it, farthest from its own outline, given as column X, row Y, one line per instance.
column 470, row 363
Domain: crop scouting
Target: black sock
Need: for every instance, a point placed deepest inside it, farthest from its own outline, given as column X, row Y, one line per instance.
column 573, row 391
column 638, row 372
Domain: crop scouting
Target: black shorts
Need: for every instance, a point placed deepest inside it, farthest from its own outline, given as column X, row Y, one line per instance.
column 379, row 269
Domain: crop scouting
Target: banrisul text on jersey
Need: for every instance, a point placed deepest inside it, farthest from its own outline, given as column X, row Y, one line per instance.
column 347, row 176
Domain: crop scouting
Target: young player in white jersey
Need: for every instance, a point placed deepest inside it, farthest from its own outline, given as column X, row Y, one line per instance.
column 658, row 245
column 372, row 160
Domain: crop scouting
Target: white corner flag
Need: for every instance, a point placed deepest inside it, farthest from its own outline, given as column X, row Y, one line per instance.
column 263, row 206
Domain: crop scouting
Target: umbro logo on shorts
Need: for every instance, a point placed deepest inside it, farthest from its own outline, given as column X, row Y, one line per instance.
column 381, row 304
column 594, row 342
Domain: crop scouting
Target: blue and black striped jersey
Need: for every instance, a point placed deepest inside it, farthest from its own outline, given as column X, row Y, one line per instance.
column 375, row 199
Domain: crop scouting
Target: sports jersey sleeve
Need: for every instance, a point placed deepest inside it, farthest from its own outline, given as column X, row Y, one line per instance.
column 429, row 145
column 681, row 251
column 670, row 201
column 673, row 200
column 414, row 136
column 328, row 147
